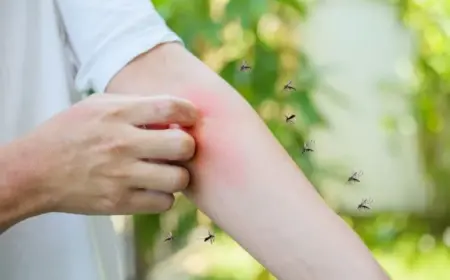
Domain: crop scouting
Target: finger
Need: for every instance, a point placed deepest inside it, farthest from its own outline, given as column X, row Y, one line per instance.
column 154, row 126
column 157, row 177
column 168, row 144
column 146, row 202
column 160, row 110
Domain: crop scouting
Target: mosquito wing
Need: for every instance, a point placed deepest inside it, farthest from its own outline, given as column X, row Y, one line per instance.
column 169, row 237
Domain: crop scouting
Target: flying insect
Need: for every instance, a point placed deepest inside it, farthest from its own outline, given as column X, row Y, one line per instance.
column 290, row 118
column 211, row 237
column 355, row 177
column 307, row 146
column 244, row 67
column 364, row 205
column 289, row 86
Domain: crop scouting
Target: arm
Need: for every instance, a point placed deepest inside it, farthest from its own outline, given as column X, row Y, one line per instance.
column 93, row 166
column 273, row 211
column 270, row 209
column 19, row 196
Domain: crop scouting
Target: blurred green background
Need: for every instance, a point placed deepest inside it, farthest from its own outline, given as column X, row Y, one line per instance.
column 223, row 33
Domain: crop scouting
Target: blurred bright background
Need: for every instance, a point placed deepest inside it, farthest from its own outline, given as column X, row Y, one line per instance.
column 373, row 91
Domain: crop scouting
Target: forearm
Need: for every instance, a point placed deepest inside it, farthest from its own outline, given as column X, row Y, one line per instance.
column 20, row 196
column 245, row 181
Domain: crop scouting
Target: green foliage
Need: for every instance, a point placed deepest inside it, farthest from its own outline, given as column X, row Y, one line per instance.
column 223, row 33
column 404, row 234
column 429, row 19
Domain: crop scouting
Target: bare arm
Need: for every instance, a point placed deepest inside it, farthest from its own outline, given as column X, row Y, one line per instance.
column 93, row 166
column 19, row 196
column 251, row 189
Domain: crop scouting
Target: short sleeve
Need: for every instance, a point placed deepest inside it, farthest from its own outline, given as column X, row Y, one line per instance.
column 105, row 35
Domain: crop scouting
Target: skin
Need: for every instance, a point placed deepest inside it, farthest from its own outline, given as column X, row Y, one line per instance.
column 96, row 164
column 265, row 207
column 244, row 180
column 17, row 185
column 214, row 116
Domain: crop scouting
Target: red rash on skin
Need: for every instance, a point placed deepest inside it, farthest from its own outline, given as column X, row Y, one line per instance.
column 216, row 150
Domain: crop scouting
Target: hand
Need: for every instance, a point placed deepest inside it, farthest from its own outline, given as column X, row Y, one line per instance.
column 91, row 156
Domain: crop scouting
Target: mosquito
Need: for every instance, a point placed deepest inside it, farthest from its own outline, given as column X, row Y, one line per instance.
column 289, row 86
column 169, row 237
column 290, row 118
column 364, row 205
column 355, row 177
column 307, row 146
column 210, row 237
column 244, row 67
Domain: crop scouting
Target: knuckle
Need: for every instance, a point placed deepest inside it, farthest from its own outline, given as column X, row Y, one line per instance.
column 100, row 106
column 111, row 202
column 117, row 145
column 85, row 108
column 105, row 205
column 115, row 112
column 170, row 108
column 119, row 174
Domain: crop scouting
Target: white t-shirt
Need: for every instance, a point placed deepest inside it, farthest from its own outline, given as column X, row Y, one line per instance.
column 46, row 48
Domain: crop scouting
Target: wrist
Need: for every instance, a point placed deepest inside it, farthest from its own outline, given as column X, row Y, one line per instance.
column 21, row 192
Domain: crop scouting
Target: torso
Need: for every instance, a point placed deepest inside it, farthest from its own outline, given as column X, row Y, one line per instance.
column 35, row 84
